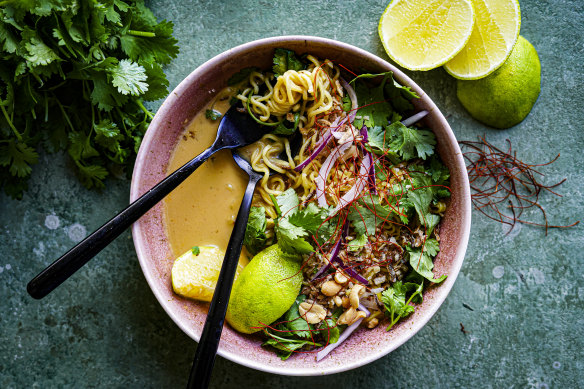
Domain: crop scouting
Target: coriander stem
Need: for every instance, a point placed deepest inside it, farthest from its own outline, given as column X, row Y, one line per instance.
column 143, row 34
column 18, row 135
column 141, row 105
column 65, row 114
column 275, row 202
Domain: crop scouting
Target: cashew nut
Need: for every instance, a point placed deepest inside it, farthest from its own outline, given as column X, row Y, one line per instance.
column 356, row 292
column 340, row 278
column 330, row 288
column 312, row 312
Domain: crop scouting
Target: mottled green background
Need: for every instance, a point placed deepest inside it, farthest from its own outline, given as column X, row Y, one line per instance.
column 519, row 296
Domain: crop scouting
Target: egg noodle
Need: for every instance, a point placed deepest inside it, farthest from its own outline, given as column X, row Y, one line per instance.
column 315, row 95
column 376, row 190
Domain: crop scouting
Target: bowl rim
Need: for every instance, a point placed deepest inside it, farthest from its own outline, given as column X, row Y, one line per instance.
column 465, row 204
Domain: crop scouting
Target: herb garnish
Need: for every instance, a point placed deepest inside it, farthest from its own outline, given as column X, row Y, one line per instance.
column 73, row 76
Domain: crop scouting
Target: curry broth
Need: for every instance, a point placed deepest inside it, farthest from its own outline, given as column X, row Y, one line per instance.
column 202, row 210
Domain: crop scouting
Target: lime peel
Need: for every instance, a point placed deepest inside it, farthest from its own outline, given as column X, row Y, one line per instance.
column 505, row 97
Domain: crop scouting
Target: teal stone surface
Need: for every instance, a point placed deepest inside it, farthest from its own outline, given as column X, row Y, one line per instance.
column 519, row 296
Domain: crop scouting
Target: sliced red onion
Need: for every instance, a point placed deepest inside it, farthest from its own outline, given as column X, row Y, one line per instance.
column 364, row 134
column 364, row 309
column 353, row 97
column 348, row 331
column 333, row 258
column 371, row 179
column 353, row 274
column 377, row 290
column 334, row 253
column 321, row 143
column 356, row 190
column 414, row 118
column 371, row 175
column 325, row 170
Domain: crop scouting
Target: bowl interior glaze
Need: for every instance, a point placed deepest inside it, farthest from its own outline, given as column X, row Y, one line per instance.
column 154, row 252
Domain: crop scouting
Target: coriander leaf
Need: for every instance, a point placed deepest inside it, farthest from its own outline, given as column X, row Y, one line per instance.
column 285, row 60
column 417, row 288
column 107, row 134
column 346, row 103
column 439, row 173
column 80, row 146
column 196, row 250
column 329, row 330
column 281, row 128
column 157, row 82
column 212, row 114
column 421, row 260
column 363, row 220
column 104, row 94
column 293, row 322
column 288, row 202
column 410, row 142
column 431, row 221
column 421, row 198
column 359, row 242
column 92, row 175
column 63, row 72
column 9, row 40
column 255, row 231
column 368, row 214
column 286, row 346
column 394, row 299
column 18, row 157
column 129, row 78
column 374, row 109
column 400, row 96
column 241, row 76
column 291, row 238
column 38, row 53
column 157, row 45
column 309, row 218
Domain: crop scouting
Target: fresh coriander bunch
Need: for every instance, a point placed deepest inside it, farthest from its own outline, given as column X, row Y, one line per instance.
column 73, row 76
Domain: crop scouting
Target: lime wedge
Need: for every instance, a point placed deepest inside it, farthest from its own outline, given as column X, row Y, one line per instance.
column 495, row 32
column 195, row 273
column 425, row 34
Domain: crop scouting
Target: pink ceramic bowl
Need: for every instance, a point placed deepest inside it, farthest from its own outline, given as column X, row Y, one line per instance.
column 154, row 252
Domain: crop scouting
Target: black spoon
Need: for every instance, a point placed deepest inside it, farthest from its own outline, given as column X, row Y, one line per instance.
column 236, row 129
column 207, row 349
column 204, row 360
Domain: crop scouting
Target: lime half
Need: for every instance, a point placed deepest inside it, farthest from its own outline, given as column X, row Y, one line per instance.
column 505, row 97
column 495, row 31
column 425, row 34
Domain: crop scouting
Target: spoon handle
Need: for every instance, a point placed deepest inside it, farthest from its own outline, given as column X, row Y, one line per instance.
column 64, row 267
column 207, row 349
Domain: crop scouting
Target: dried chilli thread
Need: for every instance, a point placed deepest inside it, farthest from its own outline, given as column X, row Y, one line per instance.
column 499, row 179
column 334, row 191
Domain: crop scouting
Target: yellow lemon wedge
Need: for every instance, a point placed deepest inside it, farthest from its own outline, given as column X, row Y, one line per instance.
column 495, row 32
column 194, row 274
column 425, row 34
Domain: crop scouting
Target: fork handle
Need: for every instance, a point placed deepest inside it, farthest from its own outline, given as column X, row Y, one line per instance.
column 64, row 267
column 207, row 349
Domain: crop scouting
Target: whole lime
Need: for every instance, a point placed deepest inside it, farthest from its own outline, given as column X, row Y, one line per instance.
column 506, row 96
column 265, row 289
